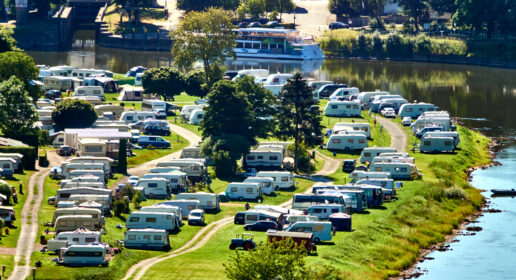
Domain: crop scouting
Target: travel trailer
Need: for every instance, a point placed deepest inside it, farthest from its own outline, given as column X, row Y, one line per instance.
column 84, row 73
column 108, row 84
column 191, row 152
column 176, row 210
column 423, row 121
column 84, row 255
column 394, row 103
column 369, row 153
column 85, row 159
column 252, row 216
column 258, row 74
column 304, row 201
column 452, row 134
column 393, row 159
column 80, row 236
column 175, row 179
column 414, row 110
column 362, row 127
column 374, row 105
column 387, row 184
column 18, row 164
column 98, row 219
column 374, row 194
column 134, row 116
column 194, row 168
column 323, row 211
column 155, row 187
column 153, row 220
column 358, row 175
column 131, row 94
column 264, row 156
column 196, row 116
column 91, row 147
column 397, row 170
column 73, row 222
column 147, row 239
column 343, row 93
column 282, row 179
column 89, row 91
column 94, row 172
column 115, row 109
column 7, row 214
column 65, row 194
column 244, row 191
column 347, row 142
column 367, row 97
column 61, row 83
column 188, row 109
column 67, row 167
column 431, row 144
column 7, row 167
column 343, row 109
column 186, row 205
column 266, row 183
column 208, row 201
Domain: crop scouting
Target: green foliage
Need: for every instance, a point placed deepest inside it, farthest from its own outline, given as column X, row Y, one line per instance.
column 163, row 81
column 122, row 156
column 488, row 15
column 296, row 118
column 119, row 207
column 17, row 115
column 304, row 162
column 256, row 8
column 195, row 84
column 66, row 114
column 21, row 65
column 137, row 199
column 397, row 46
column 5, row 189
column 30, row 155
column 201, row 5
column 414, row 9
column 204, row 36
column 7, row 42
column 273, row 16
column 342, row 7
column 241, row 11
column 128, row 191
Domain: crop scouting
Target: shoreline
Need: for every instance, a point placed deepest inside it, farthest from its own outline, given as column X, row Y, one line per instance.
column 495, row 144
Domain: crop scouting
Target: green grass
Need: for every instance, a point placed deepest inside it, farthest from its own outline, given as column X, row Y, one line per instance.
column 123, row 80
column 141, row 156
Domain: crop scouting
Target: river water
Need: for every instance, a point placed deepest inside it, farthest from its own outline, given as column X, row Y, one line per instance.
column 484, row 97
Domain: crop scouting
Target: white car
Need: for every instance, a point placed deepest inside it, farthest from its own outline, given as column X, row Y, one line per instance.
column 406, row 121
column 388, row 112
column 133, row 180
column 160, row 114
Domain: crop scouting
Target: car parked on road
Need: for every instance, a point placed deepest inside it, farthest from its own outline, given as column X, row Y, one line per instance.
column 156, row 130
column 349, row 165
column 261, row 226
column 53, row 94
column 338, row 25
column 388, row 112
column 254, row 24
column 196, row 217
column 66, row 151
column 153, row 141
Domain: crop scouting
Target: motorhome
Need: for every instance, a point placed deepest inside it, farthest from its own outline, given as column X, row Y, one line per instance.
column 347, row 142
column 176, row 210
column 282, row 179
column 176, row 179
column 358, row 175
column 369, row 153
column 154, row 220
column 89, row 91
column 343, row 109
column 186, row 205
column 323, row 211
column 80, row 236
column 452, row 134
column 367, row 97
column 244, row 191
column 266, row 183
column 131, row 94
column 115, row 109
column 397, row 170
column 362, row 127
column 187, row 110
column 155, row 187
column 431, row 144
column 73, row 222
column 264, row 156
column 374, row 194
column 194, row 168
column 134, row 116
column 322, row 231
column 84, row 255
column 7, row 167
column 343, row 93
column 61, row 83
column 415, row 110
column 208, row 201
column 393, row 159
column 147, row 239
column 252, row 216
column 304, row 201
column 196, row 116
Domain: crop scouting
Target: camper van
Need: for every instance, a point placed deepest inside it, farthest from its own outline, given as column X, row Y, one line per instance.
column 155, row 187
column 175, row 179
column 323, row 211
column 153, row 141
column 369, row 153
column 187, row 110
column 252, row 216
column 322, row 231
column 186, row 205
column 453, row 134
column 80, row 236
column 397, row 170
column 343, row 109
column 89, row 91
column 431, row 144
column 84, row 255
column 343, row 93
column 7, row 167
column 362, row 127
column 154, row 220
column 176, row 210
column 196, row 116
column 347, row 142
column 244, row 191
column 415, row 110
column 358, row 175
column 266, row 183
column 304, row 201
column 265, row 157
column 73, row 222
column 131, row 94
column 282, row 179
column 134, row 116
column 208, row 201
column 147, row 239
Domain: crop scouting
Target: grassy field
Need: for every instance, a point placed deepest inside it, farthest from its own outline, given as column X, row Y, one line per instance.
column 177, row 143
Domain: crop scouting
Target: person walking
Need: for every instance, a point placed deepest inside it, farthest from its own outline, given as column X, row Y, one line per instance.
column 247, row 207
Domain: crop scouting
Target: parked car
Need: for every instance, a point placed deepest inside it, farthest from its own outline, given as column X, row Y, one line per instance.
column 153, row 141
column 245, row 242
column 361, row 168
column 388, row 112
column 406, row 121
column 133, row 180
column 239, row 218
column 254, row 24
column 196, row 217
column 243, row 24
column 250, row 172
column 263, row 20
column 160, row 114
column 53, row 94
column 261, row 226
column 66, row 151
column 349, row 165
column 156, row 130
column 272, row 24
column 338, row 25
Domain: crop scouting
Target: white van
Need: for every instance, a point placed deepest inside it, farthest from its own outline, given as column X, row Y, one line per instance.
column 362, row 127
column 73, row 222
column 266, row 183
column 154, row 220
column 196, row 116
column 208, row 201
column 176, row 210
column 244, row 191
column 343, row 109
column 322, row 231
column 134, row 116
column 89, row 91
column 343, row 93
column 437, row 145
column 147, row 239
column 185, row 205
column 323, row 211
column 252, row 216
column 154, row 187
column 80, row 236
column 84, row 255
column 453, row 134
column 282, row 179
column 347, row 142
column 397, row 170
column 369, row 153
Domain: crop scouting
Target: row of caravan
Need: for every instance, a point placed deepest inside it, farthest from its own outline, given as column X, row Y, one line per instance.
column 265, row 182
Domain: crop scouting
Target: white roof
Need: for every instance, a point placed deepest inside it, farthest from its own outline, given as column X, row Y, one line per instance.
column 98, row 132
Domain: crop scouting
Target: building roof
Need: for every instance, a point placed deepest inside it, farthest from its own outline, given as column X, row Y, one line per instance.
column 98, row 133
column 11, row 142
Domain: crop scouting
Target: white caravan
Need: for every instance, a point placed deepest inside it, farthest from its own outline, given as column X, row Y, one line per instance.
column 73, row 222
column 343, row 109
column 323, row 211
column 437, row 145
column 369, row 153
column 265, row 156
column 266, row 183
column 80, row 236
column 196, row 116
column 362, row 127
column 134, row 116
column 415, row 110
column 343, row 93
column 208, row 201
column 347, row 141
column 194, row 168
column 154, row 220
column 277, row 79
column 359, row 175
column 397, row 170
column 106, row 160
column 452, row 134
column 367, row 97
column 176, row 210
column 422, row 122
column 84, row 255
column 393, row 159
column 244, row 191
column 147, row 239
column 188, row 109
column 282, row 179
column 89, row 91
column 67, row 167
column 176, row 179
column 186, row 205
column 154, row 187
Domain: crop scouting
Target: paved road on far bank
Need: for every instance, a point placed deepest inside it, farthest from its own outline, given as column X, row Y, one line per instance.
column 398, row 135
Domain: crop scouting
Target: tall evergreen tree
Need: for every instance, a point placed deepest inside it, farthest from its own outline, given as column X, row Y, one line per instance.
column 122, row 156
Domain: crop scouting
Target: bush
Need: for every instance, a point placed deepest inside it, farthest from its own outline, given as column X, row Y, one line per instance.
column 377, row 24
column 30, row 155
column 128, row 191
column 423, row 45
column 397, row 46
column 74, row 113
column 137, row 199
column 119, row 207
column 5, row 189
column 304, row 162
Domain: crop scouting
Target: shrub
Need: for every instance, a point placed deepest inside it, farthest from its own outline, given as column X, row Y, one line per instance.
column 377, row 24
column 74, row 113
column 397, row 46
column 423, row 45
column 5, row 189
column 128, row 191
column 456, row 192
column 304, row 162
column 378, row 49
column 119, row 207
column 137, row 199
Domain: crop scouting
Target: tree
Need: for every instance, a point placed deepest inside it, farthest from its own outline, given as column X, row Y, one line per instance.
column 296, row 117
column 285, row 6
column 132, row 7
column 478, row 14
column 201, row 5
column 256, row 8
column 415, row 9
column 74, row 113
column 3, row 14
column 241, row 11
column 163, row 81
column 122, row 156
column 17, row 115
column 205, row 36
column 19, row 64
column 342, row 7
column 195, row 84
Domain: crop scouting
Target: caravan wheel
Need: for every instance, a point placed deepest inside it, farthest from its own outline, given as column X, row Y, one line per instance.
column 347, row 149
column 317, row 240
column 241, row 198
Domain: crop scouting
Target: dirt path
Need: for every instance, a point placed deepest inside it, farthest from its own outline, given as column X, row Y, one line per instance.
column 29, row 225
column 139, row 269
column 398, row 136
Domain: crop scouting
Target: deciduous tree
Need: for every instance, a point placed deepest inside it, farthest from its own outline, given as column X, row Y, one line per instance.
column 7, row 42
column 195, row 84
column 122, row 156
column 415, row 9
column 201, row 5
column 166, row 82
column 19, row 64
column 256, row 8
column 17, row 115
column 74, row 113
column 477, row 14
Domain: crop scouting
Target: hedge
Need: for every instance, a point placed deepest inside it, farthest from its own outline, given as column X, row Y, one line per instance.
column 30, row 155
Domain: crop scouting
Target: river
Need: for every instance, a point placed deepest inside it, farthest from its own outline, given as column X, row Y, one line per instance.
column 484, row 97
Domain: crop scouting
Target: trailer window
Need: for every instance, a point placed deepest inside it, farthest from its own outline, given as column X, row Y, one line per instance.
column 334, row 106
column 408, row 110
column 361, row 140
column 260, row 157
column 447, row 143
column 403, row 169
column 252, row 217
column 348, row 106
column 334, row 210
column 249, row 190
column 96, row 91
column 378, row 169
column 250, row 157
column 318, row 227
column 367, row 154
column 191, row 207
column 150, row 220
column 426, row 143
column 336, row 141
column 75, row 239
column 350, row 141
column 273, row 157
column 131, row 237
column 90, row 239
column 317, row 210
column 146, row 237
column 284, row 179
column 134, row 219
column 157, row 237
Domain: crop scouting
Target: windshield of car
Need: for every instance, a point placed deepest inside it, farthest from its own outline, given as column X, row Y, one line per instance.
column 195, row 214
